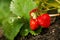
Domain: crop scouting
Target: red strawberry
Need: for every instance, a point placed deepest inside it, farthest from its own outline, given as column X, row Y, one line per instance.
column 33, row 24
column 44, row 20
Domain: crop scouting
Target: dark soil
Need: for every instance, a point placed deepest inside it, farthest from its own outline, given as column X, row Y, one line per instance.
column 53, row 33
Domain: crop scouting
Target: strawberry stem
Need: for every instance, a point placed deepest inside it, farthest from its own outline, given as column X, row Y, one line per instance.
column 53, row 15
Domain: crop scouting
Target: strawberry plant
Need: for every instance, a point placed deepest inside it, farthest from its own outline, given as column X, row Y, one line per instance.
column 25, row 16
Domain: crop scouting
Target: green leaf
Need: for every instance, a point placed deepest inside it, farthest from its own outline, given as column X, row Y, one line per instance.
column 24, row 30
column 12, row 29
column 22, row 7
column 36, row 32
column 4, row 8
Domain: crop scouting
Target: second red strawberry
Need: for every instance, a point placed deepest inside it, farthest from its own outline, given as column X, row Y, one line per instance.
column 44, row 20
column 33, row 24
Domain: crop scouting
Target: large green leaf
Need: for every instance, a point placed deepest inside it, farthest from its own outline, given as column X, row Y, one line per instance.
column 11, row 28
column 4, row 8
column 22, row 7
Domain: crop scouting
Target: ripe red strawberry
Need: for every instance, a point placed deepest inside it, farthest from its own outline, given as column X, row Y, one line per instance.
column 44, row 20
column 33, row 24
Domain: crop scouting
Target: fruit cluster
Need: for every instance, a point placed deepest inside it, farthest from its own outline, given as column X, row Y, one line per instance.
column 37, row 21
